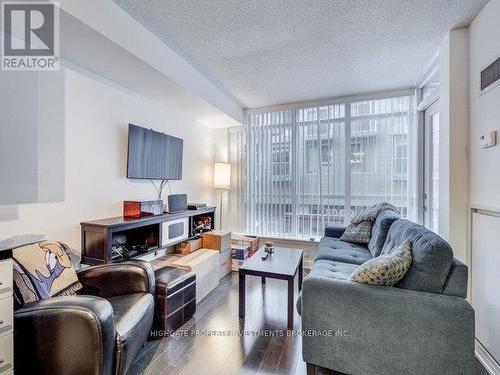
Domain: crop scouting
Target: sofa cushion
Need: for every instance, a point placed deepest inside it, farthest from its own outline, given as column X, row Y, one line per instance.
column 380, row 229
column 334, row 231
column 385, row 270
column 332, row 270
column 133, row 315
column 341, row 251
column 432, row 256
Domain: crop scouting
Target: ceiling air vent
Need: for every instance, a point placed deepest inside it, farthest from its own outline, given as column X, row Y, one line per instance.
column 490, row 76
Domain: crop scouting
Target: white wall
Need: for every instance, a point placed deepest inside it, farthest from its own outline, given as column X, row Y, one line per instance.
column 484, row 116
column 97, row 113
column 453, row 140
column 484, row 36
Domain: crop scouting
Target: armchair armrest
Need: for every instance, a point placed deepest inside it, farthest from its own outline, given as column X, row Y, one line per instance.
column 114, row 279
column 334, row 231
column 380, row 330
column 65, row 335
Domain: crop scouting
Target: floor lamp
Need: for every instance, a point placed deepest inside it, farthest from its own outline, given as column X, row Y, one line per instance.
column 222, row 182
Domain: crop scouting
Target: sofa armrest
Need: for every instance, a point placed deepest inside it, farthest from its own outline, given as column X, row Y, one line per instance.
column 380, row 330
column 334, row 231
column 456, row 283
column 114, row 279
column 65, row 335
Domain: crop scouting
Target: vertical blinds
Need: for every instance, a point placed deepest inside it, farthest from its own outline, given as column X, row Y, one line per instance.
column 299, row 170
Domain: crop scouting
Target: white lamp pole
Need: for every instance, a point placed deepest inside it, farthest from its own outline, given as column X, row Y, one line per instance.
column 222, row 181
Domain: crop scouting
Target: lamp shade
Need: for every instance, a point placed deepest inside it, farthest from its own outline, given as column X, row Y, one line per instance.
column 222, row 176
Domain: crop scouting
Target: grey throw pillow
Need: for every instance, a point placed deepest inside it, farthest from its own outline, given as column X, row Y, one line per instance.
column 358, row 233
column 385, row 270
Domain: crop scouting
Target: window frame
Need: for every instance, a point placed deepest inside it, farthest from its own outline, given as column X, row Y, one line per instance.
column 347, row 170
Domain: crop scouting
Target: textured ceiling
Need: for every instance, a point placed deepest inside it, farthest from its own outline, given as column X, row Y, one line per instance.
column 281, row 51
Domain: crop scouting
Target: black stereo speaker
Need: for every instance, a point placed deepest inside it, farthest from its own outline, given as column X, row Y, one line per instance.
column 177, row 202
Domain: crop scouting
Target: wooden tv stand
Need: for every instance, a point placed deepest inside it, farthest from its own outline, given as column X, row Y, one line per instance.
column 98, row 236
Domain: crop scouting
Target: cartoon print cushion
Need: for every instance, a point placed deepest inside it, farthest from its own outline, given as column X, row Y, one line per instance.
column 43, row 270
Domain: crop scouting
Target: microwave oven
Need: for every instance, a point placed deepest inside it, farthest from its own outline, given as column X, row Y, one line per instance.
column 174, row 231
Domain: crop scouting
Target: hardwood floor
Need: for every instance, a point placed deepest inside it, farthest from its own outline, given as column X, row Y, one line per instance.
column 218, row 348
column 231, row 353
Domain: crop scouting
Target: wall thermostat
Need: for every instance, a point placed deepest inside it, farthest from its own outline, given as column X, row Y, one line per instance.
column 488, row 139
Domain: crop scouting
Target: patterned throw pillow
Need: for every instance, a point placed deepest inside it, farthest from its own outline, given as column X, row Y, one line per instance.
column 358, row 233
column 43, row 270
column 385, row 270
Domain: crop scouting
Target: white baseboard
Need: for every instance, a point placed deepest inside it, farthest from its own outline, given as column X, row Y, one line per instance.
column 486, row 359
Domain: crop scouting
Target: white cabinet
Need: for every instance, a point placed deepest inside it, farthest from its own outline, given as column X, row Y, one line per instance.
column 225, row 262
column 6, row 318
column 5, row 278
column 205, row 264
column 6, row 354
column 220, row 241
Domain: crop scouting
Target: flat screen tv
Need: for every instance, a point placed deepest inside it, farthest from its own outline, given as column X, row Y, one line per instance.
column 153, row 155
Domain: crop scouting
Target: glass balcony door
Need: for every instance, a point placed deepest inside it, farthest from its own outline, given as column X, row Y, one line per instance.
column 430, row 197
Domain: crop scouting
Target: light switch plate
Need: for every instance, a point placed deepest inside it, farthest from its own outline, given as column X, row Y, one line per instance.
column 488, row 139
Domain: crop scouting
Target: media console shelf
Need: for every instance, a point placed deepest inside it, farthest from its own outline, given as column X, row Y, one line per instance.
column 99, row 236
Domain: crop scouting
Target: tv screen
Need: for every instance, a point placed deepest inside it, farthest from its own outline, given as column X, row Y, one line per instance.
column 153, row 155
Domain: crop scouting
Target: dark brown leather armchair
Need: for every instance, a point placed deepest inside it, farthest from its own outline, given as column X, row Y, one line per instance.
column 99, row 331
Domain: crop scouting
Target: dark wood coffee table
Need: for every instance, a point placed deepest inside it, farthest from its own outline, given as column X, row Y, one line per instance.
column 283, row 265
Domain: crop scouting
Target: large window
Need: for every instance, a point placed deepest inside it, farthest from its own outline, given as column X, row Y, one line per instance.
column 302, row 169
column 363, row 158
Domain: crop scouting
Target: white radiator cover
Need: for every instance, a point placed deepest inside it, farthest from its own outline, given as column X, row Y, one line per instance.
column 485, row 280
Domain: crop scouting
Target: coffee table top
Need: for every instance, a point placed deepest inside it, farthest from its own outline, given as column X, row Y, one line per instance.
column 283, row 261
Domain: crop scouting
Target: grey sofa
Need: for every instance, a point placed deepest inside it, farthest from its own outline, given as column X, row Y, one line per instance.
column 422, row 325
